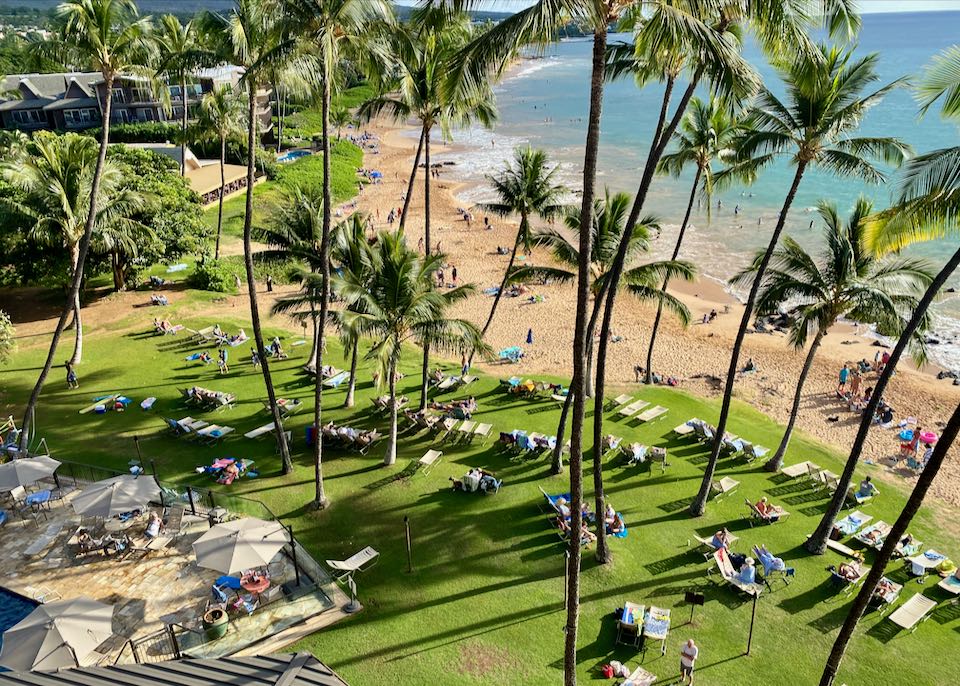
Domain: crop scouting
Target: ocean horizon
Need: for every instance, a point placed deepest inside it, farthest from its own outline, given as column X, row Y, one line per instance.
column 543, row 102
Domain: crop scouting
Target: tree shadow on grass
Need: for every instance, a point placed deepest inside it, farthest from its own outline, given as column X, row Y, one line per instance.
column 668, row 564
column 676, row 505
column 815, row 510
column 946, row 613
column 802, row 498
column 832, row 620
column 809, row 599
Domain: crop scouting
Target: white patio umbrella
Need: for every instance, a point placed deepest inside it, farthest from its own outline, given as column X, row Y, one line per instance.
column 56, row 635
column 119, row 494
column 240, row 544
column 25, row 471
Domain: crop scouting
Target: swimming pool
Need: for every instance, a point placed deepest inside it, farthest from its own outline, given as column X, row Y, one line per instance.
column 13, row 608
column 292, row 155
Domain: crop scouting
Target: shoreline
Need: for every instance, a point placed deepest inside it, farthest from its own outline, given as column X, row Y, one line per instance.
column 698, row 355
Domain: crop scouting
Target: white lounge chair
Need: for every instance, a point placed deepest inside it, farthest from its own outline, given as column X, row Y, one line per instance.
column 911, row 613
column 335, row 381
column 260, row 431
column 429, row 459
column 687, row 428
column 358, row 562
column 730, row 575
column 483, row 430
column 801, row 469
column 652, row 414
column 621, row 399
column 723, row 487
column 752, row 452
column 632, row 408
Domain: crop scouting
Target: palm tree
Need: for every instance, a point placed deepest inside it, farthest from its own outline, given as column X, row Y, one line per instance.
column 57, row 181
column 429, row 88
column 114, row 38
column 897, row 532
column 706, row 133
column 525, row 187
column 826, row 100
column 848, row 281
column 350, row 251
column 180, row 53
column 927, row 208
column 341, row 118
column 223, row 115
column 247, row 37
column 401, row 304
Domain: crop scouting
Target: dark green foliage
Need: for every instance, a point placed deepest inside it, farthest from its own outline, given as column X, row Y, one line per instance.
column 307, row 172
column 218, row 276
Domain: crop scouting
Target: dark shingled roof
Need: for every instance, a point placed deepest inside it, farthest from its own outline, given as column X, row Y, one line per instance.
column 301, row 669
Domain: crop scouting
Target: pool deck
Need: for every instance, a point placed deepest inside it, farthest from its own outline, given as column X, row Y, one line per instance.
column 159, row 589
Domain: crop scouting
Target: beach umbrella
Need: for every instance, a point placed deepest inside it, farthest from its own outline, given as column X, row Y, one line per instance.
column 57, row 634
column 240, row 544
column 529, row 336
column 119, row 494
column 26, row 471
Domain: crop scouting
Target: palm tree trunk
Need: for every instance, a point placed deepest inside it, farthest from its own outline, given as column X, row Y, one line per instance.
column 276, row 99
column 315, row 343
column 503, row 283
column 320, row 499
column 351, row 388
column 898, row 531
column 413, row 177
column 557, row 461
column 424, row 375
column 223, row 188
column 183, row 127
column 588, row 383
column 391, row 455
column 817, row 543
column 77, row 355
column 699, row 505
column 776, row 462
column 663, row 289
column 577, row 388
column 82, row 250
column 252, row 286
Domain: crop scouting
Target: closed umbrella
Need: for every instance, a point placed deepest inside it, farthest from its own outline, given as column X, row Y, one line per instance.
column 529, row 336
column 57, row 634
column 119, row 494
column 26, row 471
column 240, row 544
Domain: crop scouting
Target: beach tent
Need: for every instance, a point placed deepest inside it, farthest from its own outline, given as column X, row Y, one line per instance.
column 57, row 634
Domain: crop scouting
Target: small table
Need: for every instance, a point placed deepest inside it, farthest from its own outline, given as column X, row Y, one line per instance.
column 925, row 563
column 115, row 525
column 255, row 585
column 471, row 482
column 38, row 500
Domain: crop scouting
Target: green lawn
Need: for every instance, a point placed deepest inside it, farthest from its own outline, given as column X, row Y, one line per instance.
column 483, row 604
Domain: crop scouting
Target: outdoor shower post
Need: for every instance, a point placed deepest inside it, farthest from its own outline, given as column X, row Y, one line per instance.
column 753, row 617
column 293, row 550
column 406, row 526
column 193, row 505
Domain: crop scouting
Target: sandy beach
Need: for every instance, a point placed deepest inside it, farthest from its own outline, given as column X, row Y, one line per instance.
column 698, row 355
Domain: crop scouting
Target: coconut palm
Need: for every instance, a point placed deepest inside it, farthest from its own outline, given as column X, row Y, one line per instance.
column 247, row 36
column 110, row 35
column 350, row 251
column 847, row 280
column 341, row 118
column 401, row 304
column 827, row 97
column 897, row 532
column 424, row 84
column 927, row 208
column 57, row 180
column 524, row 187
column 706, row 133
column 222, row 115
column 180, row 54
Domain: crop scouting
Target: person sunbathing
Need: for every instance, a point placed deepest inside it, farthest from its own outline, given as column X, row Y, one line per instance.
column 873, row 537
column 850, row 571
column 611, row 441
column 770, row 562
column 748, row 573
column 239, row 338
column 768, row 510
column 721, row 539
column 884, row 588
column 903, row 544
column 437, row 375
column 230, row 472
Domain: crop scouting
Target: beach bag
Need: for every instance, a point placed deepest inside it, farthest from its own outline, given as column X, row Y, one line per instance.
column 607, row 671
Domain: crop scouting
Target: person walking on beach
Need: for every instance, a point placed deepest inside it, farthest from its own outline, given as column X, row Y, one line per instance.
column 420, row 245
column 222, row 361
column 72, row 381
column 844, row 375
column 254, row 357
column 688, row 658
column 453, row 275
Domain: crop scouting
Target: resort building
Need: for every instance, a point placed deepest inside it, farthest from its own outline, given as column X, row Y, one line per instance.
column 75, row 101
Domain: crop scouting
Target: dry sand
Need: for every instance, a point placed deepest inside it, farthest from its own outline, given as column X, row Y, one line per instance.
column 699, row 354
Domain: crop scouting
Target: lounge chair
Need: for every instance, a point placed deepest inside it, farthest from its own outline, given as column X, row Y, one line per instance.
column 848, row 585
column 854, row 497
column 630, row 624
column 885, row 600
column 652, row 414
column 706, row 546
column 908, row 550
column 687, row 428
column 622, row 399
column 261, row 431
column 723, row 487
column 731, row 445
column 851, row 524
column 825, row 479
column 429, row 459
column 752, row 452
column 358, row 562
column 335, row 381
column 465, row 429
column 911, row 613
column 632, row 408
column 213, row 433
column 951, row 585
column 879, row 530
column 483, row 430
column 636, row 453
column 755, row 514
column 729, row 574
column 658, row 454
column 800, row 469
column 42, row 594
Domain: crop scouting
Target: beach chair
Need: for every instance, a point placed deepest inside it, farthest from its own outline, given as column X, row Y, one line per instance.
column 335, row 381
column 652, row 414
column 629, row 410
column 106, row 401
column 729, row 574
column 630, row 624
column 723, row 487
column 688, row 428
column 854, row 497
column 466, row 429
column 447, row 383
column 705, row 545
column 851, row 524
column 636, row 453
column 429, row 459
column 800, row 469
column 484, row 431
column 951, row 585
column 445, row 428
column 752, row 452
column 909, row 549
column 42, row 594
column 658, row 455
column 214, row 433
column 622, row 399
column 261, row 431
column 358, row 562
column 909, row 615
column 874, row 535
column 731, row 445
column 367, row 440
column 755, row 514
column 880, row 601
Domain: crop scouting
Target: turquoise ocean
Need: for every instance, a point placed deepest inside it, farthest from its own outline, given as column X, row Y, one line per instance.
column 543, row 102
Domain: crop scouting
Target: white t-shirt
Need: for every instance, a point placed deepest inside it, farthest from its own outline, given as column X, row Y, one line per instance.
column 688, row 655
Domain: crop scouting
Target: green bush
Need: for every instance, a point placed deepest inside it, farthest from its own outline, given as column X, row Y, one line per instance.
column 7, row 338
column 307, row 172
column 140, row 132
column 211, row 275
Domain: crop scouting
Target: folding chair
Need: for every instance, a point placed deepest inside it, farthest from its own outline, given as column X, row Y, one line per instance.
column 358, row 562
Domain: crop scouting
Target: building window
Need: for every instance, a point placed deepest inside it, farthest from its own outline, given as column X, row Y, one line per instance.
column 79, row 117
column 28, row 117
column 175, row 92
column 119, row 95
column 142, row 95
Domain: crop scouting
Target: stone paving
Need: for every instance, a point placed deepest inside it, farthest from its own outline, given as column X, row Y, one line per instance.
column 148, row 590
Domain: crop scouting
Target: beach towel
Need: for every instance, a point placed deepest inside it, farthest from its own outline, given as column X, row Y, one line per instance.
column 622, row 534
column 147, row 403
